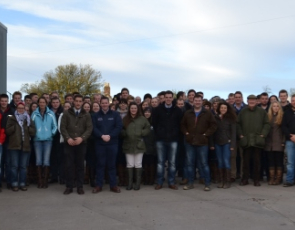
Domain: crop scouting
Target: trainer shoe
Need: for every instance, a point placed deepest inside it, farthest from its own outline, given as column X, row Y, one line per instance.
column 188, row 187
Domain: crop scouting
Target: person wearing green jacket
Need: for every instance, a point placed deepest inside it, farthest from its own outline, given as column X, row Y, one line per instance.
column 135, row 127
column 252, row 128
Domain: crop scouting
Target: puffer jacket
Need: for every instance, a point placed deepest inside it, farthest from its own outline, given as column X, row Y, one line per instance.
column 133, row 135
column 46, row 126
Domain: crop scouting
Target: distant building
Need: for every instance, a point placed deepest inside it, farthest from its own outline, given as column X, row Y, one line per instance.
column 3, row 58
column 107, row 91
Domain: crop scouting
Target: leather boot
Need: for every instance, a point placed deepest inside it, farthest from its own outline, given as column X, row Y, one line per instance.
column 86, row 175
column 138, row 172
column 272, row 176
column 46, row 175
column 279, row 176
column 130, row 179
column 39, row 173
column 92, row 177
column 221, row 178
column 227, row 178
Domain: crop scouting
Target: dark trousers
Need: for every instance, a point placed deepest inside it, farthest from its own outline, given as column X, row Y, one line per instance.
column 106, row 156
column 55, row 158
column 251, row 154
column 275, row 159
column 74, row 162
column 264, row 168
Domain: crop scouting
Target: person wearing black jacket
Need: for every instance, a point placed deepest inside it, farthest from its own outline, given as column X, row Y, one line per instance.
column 166, row 122
column 288, row 127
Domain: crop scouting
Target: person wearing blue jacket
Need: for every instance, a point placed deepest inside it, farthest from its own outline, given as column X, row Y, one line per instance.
column 107, row 125
column 46, row 127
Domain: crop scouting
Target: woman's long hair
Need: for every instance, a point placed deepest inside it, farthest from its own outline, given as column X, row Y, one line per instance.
column 128, row 118
column 279, row 116
column 230, row 113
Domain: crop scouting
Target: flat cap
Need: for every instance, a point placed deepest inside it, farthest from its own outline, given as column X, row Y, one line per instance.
column 252, row 96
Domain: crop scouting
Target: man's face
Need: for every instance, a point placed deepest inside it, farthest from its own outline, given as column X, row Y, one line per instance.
column 251, row 103
column 168, row 99
column 78, row 103
column 69, row 99
column 190, row 97
column 238, row 99
column 198, row 102
column 154, row 102
column 87, row 100
column 46, row 97
column 97, row 99
column 283, row 97
column 180, row 104
column 124, row 94
column 34, row 98
column 263, row 100
column 162, row 98
column 17, row 99
column 28, row 101
column 4, row 103
column 55, row 104
column 231, row 100
column 104, row 104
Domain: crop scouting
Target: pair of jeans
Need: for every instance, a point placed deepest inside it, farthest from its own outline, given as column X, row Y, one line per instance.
column 201, row 153
column 223, row 154
column 166, row 151
column 18, row 167
column 42, row 151
column 74, row 161
column 106, row 156
column 290, row 147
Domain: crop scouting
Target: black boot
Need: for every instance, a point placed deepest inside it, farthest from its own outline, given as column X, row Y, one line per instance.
column 46, row 175
column 138, row 172
column 130, row 179
column 39, row 173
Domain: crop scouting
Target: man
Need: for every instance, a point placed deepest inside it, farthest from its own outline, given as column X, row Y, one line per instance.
column 2, row 140
column 55, row 157
column 86, row 99
column 252, row 128
column 197, row 124
column 161, row 97
column 69, row 98
column 47, row 97
column 16, row 98
column 34, row 97
column 5, row 111
column 264, row 101
column 97, row 97
column 231, row 98
column 138, row 100
column 107, row 125
column 166, row 120
column 76, row 128
column 283, row 95
column 190, row 99
column 288, row 127
column 53, row 94
column 124, row 93
column 28, row 100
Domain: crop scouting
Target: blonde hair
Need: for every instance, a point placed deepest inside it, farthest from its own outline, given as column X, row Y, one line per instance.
column 279, row 117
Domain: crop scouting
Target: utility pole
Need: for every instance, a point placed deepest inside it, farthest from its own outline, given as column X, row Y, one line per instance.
column 3, row 58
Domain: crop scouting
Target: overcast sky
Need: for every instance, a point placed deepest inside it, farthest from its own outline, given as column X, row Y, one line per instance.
column 214, row 46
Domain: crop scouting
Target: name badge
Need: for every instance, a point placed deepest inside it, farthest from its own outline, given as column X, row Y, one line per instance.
column 99, row 119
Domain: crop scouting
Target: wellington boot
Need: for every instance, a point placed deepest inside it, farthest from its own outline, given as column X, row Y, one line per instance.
column 221, row 178
column 138, row 172
column 130, row 179
column 227, row 178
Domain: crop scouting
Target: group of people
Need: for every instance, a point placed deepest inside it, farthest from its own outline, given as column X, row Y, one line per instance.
column 126, row 140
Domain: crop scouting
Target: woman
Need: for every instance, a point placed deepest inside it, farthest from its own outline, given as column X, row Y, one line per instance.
column 46, row 127
column 95, row 107
column 123, row 108
column 150, row 155
column 144, row 105
column 86, row 106
column 224, row 141
column 19, row 128
column 274, row 144
column 66, row 106
column 135, row 127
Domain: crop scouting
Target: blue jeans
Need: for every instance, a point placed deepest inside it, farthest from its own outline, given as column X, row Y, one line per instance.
column 166, row 150
column 201, row 153
column 42, row 150
column 223, row 156
column 18, row 168
column 290, row 147
column 106, row 156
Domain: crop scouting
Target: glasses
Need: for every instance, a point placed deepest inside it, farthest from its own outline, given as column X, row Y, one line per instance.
column 20, row 107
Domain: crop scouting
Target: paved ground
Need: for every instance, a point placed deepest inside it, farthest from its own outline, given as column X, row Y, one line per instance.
column 248, row 207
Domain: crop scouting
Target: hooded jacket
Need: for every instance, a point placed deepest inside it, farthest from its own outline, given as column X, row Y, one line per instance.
column 46, row 125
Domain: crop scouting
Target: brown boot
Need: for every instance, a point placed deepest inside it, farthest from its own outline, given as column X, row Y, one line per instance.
column 271, row 176
column 279, row 176
column 46, row 175
column 39, row 173
column 227, row 178
column 221, row 178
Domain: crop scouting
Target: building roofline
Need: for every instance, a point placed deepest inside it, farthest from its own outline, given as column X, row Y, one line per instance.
column 4, row 27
